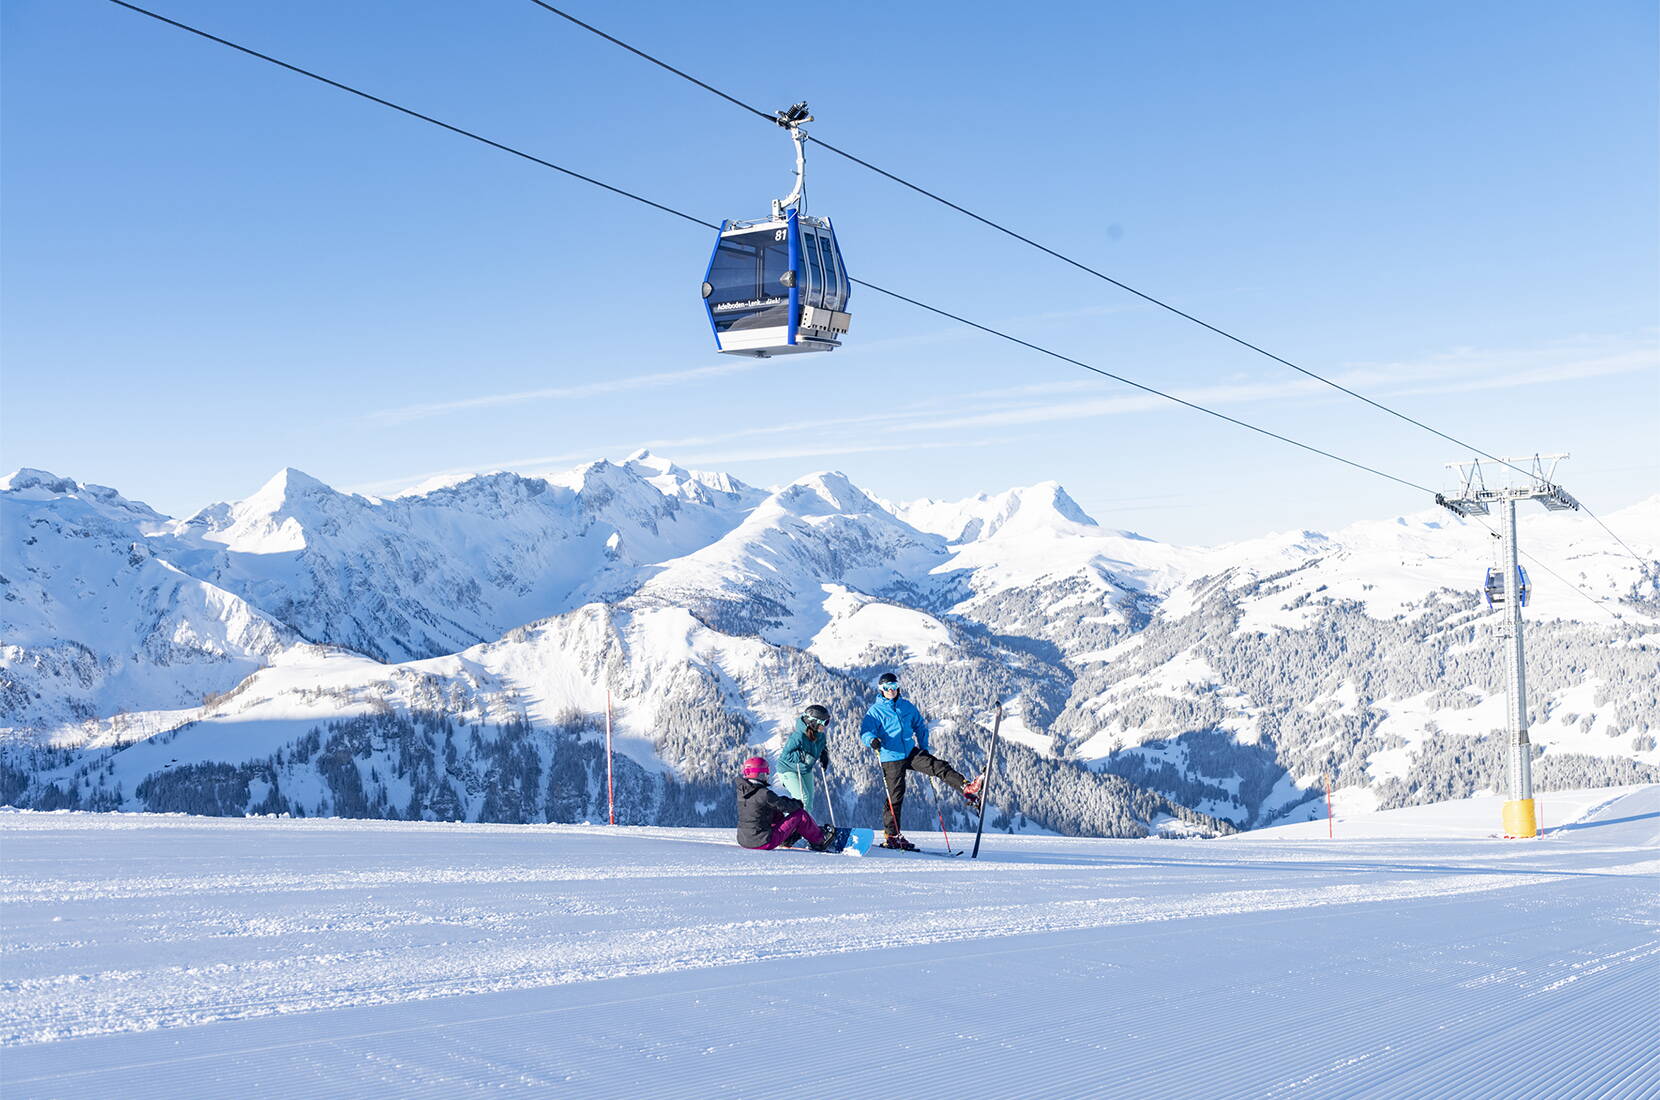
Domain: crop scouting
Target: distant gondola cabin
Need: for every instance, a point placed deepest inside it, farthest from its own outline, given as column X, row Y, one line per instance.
column 1492, row 587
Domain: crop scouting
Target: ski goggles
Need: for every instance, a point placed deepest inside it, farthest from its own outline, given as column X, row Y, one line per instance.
column 887, row 687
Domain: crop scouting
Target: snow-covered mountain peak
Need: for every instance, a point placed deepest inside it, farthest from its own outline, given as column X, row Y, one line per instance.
column 646, row 464
column 290, row 493
column 600, row 482
column 825, row 493
column 41, row 482
column 95, row 622
column 489, row 493
column 672, row 479
column 28, row 483
column 1045, row 506
column 627, row 497
column 281, row 517
column 420, row 574
column 288, row 485
column 1057, row 498
column 770, row 575
column 664, row 476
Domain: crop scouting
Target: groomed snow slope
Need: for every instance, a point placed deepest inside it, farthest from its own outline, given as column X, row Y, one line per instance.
column 153, row 956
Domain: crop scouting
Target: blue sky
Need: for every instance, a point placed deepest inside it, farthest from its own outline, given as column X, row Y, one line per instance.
column 214, row 269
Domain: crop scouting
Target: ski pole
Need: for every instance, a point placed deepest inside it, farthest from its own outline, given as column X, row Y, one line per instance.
column 881, row 775
column 991, row 759
column 829, row 799
column 939, row 809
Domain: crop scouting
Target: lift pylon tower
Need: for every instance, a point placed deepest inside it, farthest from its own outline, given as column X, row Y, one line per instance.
column 1474, row 498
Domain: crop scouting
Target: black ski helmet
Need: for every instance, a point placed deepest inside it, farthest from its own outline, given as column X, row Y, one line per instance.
column 885, row 681
column 816, row 713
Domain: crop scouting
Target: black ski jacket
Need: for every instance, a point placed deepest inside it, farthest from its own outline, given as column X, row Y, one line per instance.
column 759, row 809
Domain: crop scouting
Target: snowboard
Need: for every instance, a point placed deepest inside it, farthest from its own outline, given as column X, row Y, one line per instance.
column 858, row 841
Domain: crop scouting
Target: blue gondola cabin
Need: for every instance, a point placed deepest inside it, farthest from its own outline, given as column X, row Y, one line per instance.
column 777, row 287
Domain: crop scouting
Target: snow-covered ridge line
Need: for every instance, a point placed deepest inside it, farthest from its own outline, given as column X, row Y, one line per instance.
column 506, row 609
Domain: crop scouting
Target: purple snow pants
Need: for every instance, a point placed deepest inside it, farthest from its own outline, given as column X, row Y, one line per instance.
column 797, row 824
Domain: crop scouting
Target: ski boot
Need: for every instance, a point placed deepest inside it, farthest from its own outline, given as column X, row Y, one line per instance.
column 971, row 791
column 898, row 843
column 834, row 839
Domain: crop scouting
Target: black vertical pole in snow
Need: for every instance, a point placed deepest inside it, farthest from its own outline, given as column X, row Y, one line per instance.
column 985, row 788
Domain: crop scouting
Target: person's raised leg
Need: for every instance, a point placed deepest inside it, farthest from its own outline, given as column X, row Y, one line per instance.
column 928, row 764
column 932, row 765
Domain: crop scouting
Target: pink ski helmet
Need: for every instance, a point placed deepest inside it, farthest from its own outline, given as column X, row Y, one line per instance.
column 756, row 768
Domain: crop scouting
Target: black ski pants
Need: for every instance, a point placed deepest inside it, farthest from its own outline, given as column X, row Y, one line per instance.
column 894, row 772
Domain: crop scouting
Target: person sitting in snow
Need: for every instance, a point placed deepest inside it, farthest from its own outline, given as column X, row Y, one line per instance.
column 807, row 747
column 895, row 729
column 767, row 820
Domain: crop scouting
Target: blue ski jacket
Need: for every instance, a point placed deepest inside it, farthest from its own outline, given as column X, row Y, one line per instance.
column 803, row 751
column 898, row 724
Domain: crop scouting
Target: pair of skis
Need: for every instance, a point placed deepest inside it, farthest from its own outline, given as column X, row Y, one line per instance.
column 947, row 854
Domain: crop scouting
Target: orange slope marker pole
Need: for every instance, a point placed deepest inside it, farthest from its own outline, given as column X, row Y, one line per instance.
column 610, row 790
column 1330, row 833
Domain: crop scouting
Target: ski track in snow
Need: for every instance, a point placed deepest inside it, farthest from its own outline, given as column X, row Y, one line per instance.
column 526, row 956
column 176, row 956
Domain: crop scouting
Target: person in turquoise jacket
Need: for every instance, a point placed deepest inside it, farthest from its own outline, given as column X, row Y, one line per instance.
column 895, row 729
column 807, row 747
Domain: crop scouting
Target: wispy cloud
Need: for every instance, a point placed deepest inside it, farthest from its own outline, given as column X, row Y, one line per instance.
column 1002, row 414
column 1503, row 371
column 1564, row 358
column 768, row 454
column 407, row 413
column 907, row 426
column 1457, row 371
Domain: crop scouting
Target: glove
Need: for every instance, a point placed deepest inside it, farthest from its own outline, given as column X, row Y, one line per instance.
column 876, row 742
column 824, row 762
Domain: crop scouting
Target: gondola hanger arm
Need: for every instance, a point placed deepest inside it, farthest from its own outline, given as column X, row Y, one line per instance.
column 791, row 119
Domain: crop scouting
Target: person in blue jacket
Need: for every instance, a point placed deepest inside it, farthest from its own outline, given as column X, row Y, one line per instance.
column 807, row 747
column 895, row 729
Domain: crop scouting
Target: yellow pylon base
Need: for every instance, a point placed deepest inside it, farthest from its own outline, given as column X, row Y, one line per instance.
column 1519, row 821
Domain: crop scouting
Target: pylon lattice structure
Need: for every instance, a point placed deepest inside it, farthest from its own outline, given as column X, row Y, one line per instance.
column 1530, row 478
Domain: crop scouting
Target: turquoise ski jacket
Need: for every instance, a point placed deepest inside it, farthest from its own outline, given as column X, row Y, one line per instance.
column 898, row 724
column 803, row 751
